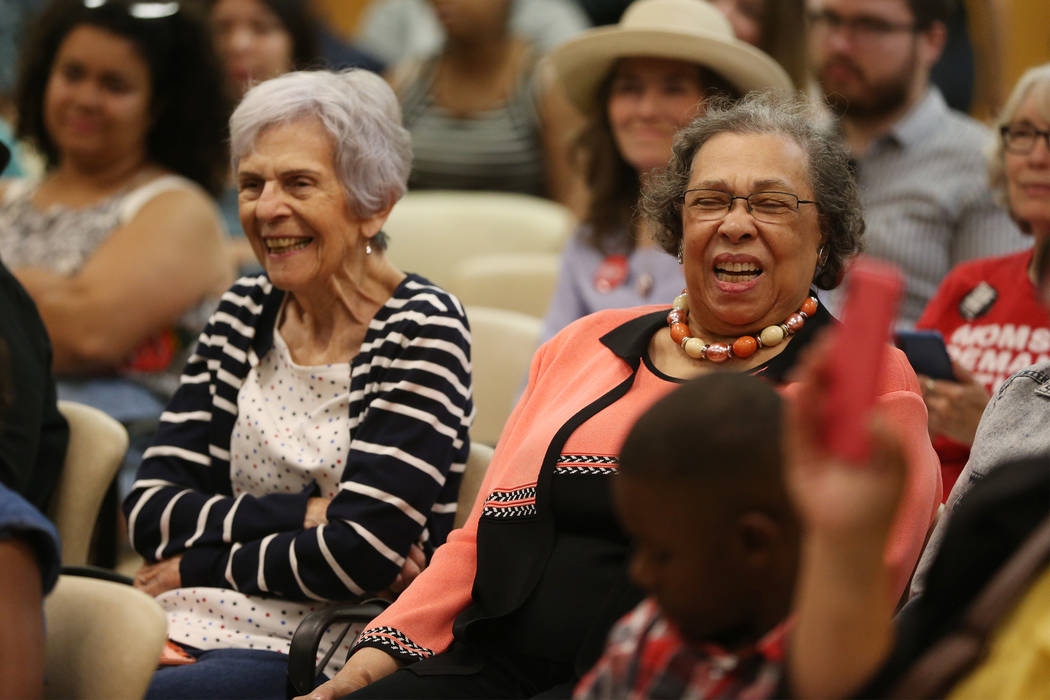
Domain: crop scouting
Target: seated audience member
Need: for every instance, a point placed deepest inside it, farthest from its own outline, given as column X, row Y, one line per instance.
column 258, row 40
column 33, row 434
column 29, row 567
column 476, row 109
column 980, row 629
column 778, row 27
column 520, row 600
column 1012, row 427
column 989, row 310
column 400, row 30
column 715, row 548
column 314, row 449
column 918, row 163
column 638, row 83
column 120, row 245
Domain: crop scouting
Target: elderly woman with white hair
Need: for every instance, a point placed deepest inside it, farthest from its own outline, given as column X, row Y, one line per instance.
column 314, row 448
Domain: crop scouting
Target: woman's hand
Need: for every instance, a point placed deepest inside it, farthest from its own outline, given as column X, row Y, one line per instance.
column 157, row 578
column 415, row 562
column 367, row 665
column 955, row 408
column 316, row 512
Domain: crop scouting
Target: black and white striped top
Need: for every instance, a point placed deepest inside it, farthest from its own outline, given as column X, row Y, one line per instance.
column 410, row 411
column 498, row 149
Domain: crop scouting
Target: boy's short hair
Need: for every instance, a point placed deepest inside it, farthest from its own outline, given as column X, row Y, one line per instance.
column 719, row 425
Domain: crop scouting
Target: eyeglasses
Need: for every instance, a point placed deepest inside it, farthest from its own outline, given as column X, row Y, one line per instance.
column 862, row 29
column 1020, row 139
column 768, row 207
column 140, row 10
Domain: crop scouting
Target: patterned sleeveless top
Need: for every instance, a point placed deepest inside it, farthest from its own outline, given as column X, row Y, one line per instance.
column 498, row 149
column 62, row 239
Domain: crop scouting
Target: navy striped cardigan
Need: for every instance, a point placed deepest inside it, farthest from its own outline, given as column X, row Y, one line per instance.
column 410, row 409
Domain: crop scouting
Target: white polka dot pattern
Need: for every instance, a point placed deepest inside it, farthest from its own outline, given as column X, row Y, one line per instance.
column 218, row 618
column 293, row 426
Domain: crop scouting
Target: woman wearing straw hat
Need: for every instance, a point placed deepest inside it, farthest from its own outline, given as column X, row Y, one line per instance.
column 637, row 83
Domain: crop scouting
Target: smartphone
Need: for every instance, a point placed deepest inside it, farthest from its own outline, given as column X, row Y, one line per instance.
column 873, row 291
column 927, row 353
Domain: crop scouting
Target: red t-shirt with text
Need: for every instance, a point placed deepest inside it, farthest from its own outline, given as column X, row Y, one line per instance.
column 993, row 325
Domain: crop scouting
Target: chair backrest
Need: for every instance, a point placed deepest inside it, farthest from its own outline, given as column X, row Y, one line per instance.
column 473, row 475
column 502, row 345
column 103, row 639
column 97, row 444
column 521, row 282
column 432, row 232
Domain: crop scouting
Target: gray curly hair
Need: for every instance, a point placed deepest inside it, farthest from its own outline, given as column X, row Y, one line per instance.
column 834, row 187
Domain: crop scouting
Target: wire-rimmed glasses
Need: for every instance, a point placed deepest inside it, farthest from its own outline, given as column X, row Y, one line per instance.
column 769, row 207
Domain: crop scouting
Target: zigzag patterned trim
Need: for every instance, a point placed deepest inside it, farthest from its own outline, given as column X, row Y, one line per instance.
column 517, row 502
column 499, row 496
column 588, row 459
column 509, row 511
column 395, row 641
column 586, row 465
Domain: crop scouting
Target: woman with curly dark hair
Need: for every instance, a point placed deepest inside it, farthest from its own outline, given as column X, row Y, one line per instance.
column 119, row 244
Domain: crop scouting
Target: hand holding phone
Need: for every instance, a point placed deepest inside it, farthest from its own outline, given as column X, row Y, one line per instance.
column 859, row 347
column 927, row 353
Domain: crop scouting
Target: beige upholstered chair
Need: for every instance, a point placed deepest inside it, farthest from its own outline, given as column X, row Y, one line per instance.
column 502, row 345
column 103, row 639
column 518, row 281
column 433, row 232
column 96, row 448
column 473, row 475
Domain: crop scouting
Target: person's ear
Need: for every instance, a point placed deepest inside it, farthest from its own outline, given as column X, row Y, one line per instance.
column 372, row 225
column 931, row 43
column 760, row 537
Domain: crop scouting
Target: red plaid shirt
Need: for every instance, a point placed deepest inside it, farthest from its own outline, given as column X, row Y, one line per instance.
column 645, row 657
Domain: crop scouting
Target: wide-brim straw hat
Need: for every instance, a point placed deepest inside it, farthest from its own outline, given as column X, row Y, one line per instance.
column 686, row 30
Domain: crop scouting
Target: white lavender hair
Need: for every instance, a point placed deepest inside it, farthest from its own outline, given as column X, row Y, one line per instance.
column 372, row 151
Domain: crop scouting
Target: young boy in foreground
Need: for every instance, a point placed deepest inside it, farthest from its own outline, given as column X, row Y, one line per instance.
column 701, row 492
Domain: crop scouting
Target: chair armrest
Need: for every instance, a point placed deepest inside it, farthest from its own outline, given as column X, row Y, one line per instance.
column 97, row 572
column 303, row 669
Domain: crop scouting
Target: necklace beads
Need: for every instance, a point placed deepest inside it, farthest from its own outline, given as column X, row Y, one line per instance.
column 743, row 347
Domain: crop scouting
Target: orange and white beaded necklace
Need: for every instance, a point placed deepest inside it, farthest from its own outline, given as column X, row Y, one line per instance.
column 742, row 347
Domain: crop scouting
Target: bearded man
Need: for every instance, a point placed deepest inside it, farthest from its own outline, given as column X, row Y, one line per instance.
column 919, row 164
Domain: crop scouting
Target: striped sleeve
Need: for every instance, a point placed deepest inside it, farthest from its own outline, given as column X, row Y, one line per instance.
column 411, row 408
column 182, row 497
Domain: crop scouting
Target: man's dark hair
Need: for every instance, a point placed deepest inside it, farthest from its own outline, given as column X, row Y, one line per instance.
column 926, row 12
